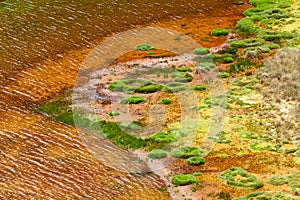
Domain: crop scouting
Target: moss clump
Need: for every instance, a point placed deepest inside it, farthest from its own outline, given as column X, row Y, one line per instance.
column 186, row 152
column 277, row 180
column 294, row 182
column 219, row 32
column 163, row 137
column 133, row 100
column 199, row 87
column 157, row 154
column 259, row 3
column 201, row 51
column 219, row 138
column 204, row 66
column 238, row 3
column 144, row 47
column 275, row 35
column 223, row 75
column 240, row 178
column 182, row 77
column 197, row 174
column 250, row 42
column 226, row 59
column 165, row 101
column 249, row 135
column 184, row 69
column 195, row 160
column 215, row 56
column 146, row 89
column 267, row 195
column 113, row 113
column 259, row 145
column 175, row 87
column 182, row 179
column 247, row 26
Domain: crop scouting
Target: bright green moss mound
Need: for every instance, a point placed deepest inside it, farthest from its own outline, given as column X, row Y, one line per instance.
column 240, row 178
column 201, row 51
column 165, row 101
column 182, row 179
column 275, row 35
column 163, row 137
column 113, row 113
column 133, row 100
column 268, row 2
column 267, row 195
column 247, row 26
column 250, row 42
column 219, row 32
column 195, row 160
column 144, row 47
column 146, row 89
column 186, row 152
column 157, row 154
column 184, row 69
column 199, row 87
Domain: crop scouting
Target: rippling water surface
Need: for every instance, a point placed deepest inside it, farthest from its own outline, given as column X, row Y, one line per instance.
column 41, row 158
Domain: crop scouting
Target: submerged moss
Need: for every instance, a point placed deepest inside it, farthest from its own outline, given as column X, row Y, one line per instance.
column 186, row 152
column 157, row 154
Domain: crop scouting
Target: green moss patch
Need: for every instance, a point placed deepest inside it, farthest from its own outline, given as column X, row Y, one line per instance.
column 184, row 69
column 240, row 178
column 201, row 51
column 131, row 86
column 277, row 180
column 250, row 42
column 186, row 152
column 175, row 87
column 195, row 160
column 144, row 47
column 113, row 113
column 157, row 154
column 223, row 75
column 219, row 137
column 249, row 135
column 133, row 100
column 199, row 87
column 163, row 137
column 267, row 195
column 165, row 101
column 182, row 179
column 247, row 26
column 219, row 32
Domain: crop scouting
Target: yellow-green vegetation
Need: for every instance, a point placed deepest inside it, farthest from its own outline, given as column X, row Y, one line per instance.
column 199, row 87
column 186, row 152
column 144, row 47
column 220, row 137
column 157, row 154
column 251, row 42
column 182, row 179
column 184, row 69
column 267, row 195
column 163, row 137
column 131, row 86
column 292, row 180
column 195, row 160
column 201, row 51
column 113, row 113
column 133, row 100
column 165, row 101
column 219, row 32
column 240, row 178
column 175, row 87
